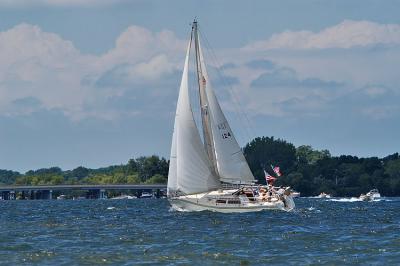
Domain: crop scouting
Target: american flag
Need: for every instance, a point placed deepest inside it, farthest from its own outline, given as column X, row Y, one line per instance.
column 276, row 170
column 269, row 177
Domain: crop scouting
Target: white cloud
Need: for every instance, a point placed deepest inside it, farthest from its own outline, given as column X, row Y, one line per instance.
column 57, row 3
column 380, row 112
column 136, row 44
column 42, row 65
column 375, row 91
column 155, row 68
column 347, row 34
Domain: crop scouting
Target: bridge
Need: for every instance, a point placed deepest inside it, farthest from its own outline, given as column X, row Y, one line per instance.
column 92, row 191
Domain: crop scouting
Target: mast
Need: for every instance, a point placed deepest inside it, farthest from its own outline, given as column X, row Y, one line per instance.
column 205, row 117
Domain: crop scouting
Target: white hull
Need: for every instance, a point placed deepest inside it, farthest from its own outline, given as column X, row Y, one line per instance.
column 219, row 201
column 375, row 195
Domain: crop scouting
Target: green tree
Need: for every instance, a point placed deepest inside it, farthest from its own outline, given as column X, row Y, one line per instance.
column 80, row 172
column 156, row 179
column 262, row 152
column 8, row 177
column 306, row 154
column 133, row 179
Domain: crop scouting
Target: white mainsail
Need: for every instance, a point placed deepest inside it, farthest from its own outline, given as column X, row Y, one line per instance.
column 190, row 168
column 231, row 164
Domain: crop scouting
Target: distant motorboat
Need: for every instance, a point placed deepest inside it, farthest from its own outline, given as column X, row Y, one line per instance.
column 123, row 197
column 324, row 195
column 146, row 195
column 370, row 196
column 62, row 197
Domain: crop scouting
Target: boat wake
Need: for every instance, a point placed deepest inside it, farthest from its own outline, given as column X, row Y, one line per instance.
column 177, row 209
column 313, row 209
column 353, row 199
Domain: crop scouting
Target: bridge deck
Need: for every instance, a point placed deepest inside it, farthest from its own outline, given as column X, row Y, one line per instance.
column 83, row 187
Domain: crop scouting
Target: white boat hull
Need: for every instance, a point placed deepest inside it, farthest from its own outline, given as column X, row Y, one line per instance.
column 212, row 202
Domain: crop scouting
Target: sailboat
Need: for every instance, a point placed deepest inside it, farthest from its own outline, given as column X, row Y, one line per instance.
column 211, row 173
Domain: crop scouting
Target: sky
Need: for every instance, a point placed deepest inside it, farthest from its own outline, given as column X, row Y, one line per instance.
column 95, row 82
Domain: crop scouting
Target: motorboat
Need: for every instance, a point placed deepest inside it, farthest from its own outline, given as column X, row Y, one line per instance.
column 324, row 195
column 146, row 195
column 62, row 197
column 370, row 196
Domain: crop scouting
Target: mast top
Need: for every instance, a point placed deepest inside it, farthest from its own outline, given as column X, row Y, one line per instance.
column 194, row 24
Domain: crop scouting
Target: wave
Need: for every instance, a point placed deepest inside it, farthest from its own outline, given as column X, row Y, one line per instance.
column 353, row 199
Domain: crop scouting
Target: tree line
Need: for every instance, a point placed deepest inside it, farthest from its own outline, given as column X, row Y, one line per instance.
column 142, row 170
column 305, row 169
column 311, row 171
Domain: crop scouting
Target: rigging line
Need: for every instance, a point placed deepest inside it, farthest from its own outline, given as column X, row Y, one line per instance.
column 239, row 108
column 249, row 131
column 237, row 114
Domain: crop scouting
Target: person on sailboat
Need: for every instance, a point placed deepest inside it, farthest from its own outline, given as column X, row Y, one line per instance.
column 263, row 194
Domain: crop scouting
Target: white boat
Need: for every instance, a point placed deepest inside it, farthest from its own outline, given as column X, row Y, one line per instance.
column 146, row 195
column 370, row 196
column 62, row 197
column 324, row 195
column 201, row 170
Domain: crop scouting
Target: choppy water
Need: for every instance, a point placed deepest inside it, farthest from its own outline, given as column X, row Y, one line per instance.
column 145, row 231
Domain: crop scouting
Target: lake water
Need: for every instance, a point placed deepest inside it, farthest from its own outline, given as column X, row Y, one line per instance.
column 146, row 231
